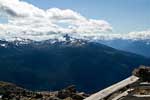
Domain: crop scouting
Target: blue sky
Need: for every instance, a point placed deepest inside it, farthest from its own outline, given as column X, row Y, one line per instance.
column 124, row 15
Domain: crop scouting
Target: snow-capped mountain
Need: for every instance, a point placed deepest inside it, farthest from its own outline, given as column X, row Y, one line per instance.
column 67, row 40
column 135, row 42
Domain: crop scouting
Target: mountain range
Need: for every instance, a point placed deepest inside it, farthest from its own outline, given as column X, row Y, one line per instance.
column 53, row 64
column 141, row 47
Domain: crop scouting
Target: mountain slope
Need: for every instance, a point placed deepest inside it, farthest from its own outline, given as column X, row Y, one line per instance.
column 43, row 65
column 141, row 47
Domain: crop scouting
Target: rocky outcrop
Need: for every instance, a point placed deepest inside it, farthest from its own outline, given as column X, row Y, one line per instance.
column 10, row 91
column 143, row 72
column 70, row 92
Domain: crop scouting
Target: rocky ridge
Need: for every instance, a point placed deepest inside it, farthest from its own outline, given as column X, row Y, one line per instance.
column 9, row 91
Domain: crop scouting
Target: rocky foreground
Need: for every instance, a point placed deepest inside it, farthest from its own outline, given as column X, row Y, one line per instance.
column 138, row 90
column 9, row 91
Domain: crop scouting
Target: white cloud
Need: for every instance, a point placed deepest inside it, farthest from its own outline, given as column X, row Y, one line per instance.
column 30, row 22
column 27, row 21
column 134, row 36
column 142, row 35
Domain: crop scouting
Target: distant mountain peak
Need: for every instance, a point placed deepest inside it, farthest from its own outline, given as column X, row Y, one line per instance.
column 67, row 41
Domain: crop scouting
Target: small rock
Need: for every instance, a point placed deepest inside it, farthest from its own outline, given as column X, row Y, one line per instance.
column 68, row 98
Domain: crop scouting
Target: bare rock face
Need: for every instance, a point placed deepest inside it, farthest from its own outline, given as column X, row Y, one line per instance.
column 143, row 72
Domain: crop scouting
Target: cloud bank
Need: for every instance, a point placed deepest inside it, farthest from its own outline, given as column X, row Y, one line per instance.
column 142, row 35
column 28, row 21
